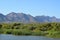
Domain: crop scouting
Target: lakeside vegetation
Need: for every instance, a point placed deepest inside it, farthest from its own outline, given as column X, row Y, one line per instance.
column 34, row 29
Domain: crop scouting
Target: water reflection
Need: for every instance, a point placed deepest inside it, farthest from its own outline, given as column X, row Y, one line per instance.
column 11, row 37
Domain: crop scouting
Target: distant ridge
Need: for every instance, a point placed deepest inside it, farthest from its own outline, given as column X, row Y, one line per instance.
column 25, row 18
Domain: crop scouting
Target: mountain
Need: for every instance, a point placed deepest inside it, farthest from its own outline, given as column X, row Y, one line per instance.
column 26, row 18
column 2, row 18
column 46, row 19
column 19, row 17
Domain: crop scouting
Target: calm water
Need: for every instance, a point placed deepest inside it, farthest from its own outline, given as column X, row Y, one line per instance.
column 11, row 37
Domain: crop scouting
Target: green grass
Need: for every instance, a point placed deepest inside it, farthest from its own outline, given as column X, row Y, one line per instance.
column 34, row 29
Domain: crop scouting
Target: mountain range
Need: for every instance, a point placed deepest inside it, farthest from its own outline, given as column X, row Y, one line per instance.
column 26, row 18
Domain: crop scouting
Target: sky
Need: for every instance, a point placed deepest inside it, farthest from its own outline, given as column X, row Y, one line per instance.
column 32, row 7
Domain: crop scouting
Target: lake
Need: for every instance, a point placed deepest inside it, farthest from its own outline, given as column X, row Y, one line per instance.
column 12, row 37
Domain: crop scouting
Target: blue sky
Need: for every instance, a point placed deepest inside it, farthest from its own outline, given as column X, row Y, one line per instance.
column 32, row 7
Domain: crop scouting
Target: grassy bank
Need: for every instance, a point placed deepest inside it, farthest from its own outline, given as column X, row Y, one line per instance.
column 34, row 29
